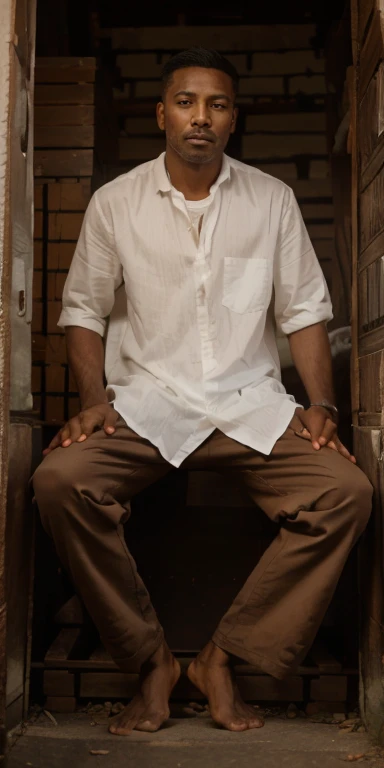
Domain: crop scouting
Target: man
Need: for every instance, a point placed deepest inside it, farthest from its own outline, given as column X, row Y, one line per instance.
column 210, row 255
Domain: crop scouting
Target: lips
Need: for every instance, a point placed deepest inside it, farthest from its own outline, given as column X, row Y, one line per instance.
column 199, row 138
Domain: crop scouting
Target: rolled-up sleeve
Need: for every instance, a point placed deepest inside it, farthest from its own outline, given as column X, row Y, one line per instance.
column 94, row 275
column 301, row 293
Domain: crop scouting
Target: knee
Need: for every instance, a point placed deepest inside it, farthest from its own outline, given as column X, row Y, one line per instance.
column 355, row 494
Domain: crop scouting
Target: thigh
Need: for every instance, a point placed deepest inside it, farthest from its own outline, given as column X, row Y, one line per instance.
column 293, row 476
column 121, row 464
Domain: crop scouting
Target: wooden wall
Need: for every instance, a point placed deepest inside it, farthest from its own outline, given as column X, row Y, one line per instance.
column 368, row 331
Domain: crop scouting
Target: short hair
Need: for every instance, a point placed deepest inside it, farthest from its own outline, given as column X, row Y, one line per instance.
column 199, row 57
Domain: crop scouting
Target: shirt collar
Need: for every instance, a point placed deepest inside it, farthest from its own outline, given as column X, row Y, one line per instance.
column 163, row 183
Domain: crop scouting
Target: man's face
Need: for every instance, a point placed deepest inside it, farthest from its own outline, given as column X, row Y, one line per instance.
column 198, row 113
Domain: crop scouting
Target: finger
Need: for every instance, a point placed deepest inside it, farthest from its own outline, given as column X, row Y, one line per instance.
column 88, row 423
column 327, row 432
column 66, row 435
column 110, row 421
column 344, row 451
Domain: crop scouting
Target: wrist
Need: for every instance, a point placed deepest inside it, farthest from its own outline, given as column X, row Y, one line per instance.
column 330, row 407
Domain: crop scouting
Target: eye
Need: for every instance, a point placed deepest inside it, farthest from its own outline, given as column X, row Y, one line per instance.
column 184, row 102
column 219, row 106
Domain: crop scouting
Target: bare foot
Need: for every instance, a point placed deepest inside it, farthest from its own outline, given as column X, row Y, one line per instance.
column 149, row 709
column 211, row 674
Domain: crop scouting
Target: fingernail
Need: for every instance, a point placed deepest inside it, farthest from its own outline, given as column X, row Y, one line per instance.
column 81, row 438
column 65, row 443
column 110, row 429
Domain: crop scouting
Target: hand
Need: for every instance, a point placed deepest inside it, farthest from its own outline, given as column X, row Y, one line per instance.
column 81, row 426
column 317, row 425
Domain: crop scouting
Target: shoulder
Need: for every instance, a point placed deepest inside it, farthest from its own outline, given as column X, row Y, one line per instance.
column 125, row 185
column 255, row 179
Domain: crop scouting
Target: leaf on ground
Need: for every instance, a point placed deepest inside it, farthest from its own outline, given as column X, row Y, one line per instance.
column 50, row 717
column 99, row 751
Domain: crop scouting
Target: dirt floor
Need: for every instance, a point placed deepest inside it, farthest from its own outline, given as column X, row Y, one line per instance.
column 193, row 742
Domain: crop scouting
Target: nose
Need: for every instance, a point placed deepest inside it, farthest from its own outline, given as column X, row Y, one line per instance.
column 201, row 117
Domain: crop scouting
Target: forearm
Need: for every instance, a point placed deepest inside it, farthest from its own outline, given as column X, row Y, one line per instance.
column 311, row 354
column 85, row 351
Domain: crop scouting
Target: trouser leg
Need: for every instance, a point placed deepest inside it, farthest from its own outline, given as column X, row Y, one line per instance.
column 323, row 503
column 83, row 495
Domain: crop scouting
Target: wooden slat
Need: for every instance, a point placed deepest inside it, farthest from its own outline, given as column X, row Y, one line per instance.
column 321, row 231
column 372, row 52
column 62, row 646
column 317, row 210
column 374, row 165
column 374, row 251
column 371, row 342
column 366, row 8
column 83, row 114
column 69, row 197
column 63, row 162
column 369, row 117
column 140, row 148
column 329, row 688
column 301, row 122
column 252, row 688
column 58, row 683
column 274, row 146
column 276, row 37
column 323, row 659
column 64, row 94
column 64, row 226
column 305, row 188
column 72, row 611
column 372, row 209
column 64, row 136
column 67, row 69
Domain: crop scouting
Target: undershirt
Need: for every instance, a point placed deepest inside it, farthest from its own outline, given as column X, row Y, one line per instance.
column 196, row 210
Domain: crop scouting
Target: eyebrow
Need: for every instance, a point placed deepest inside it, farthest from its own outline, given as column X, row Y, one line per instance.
column 213, row 96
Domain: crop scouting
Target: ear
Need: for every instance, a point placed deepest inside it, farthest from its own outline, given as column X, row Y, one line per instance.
column 234, row 120
column 160, row 115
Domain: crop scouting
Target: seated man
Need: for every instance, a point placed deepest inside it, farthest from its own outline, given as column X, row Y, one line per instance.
column 212, row 255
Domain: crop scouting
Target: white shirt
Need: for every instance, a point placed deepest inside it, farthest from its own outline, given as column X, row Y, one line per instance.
column 191, row 341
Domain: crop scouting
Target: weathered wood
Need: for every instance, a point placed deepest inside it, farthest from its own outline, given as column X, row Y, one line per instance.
column 140, row 149
column 59, row 683
column 372, row 252
column 309, row 188
column 64, row 226
column 329, row 687
column 366, row 8
column 373, row 165
column 300, row 122
column 317, row 211
column 62, row 646
column 63, row 162
column 273, row 145
column 276, row 37
column 64, row 94
column 65, row 136
column 83, row 114
column 368, row 118
column 72, row 611
column 372, row 52
column 372, row 341
column 67, row 69
column 372, row 382
column 323, row 659
column 69, row 197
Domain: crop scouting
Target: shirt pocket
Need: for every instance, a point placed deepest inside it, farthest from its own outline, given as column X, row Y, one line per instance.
column 246, row 286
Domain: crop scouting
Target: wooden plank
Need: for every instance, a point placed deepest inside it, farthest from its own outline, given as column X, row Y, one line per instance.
column 140, row 149
column 64, row 226
column 317, row 210
column 72, row 611
column 372, row 420
column 321, row 231
column 252, row 688
column 368, row 118
column 283, row 171
column 307, row 188
column 261, row 86
column 64, row 94
column 372, row 209
column 371, row 342
column 83, row 114
column 298, row 122
column 61, row 646
column 329, row 688
column 276, row 37
column 366, row 8
column 372, row 53
column 69, row 197
column 58, row 683
column 60, row 255
column 64, row 136
column 323, row 659
column 374, row 164
column 276, row 146
column 63, row 162
column 67, row 69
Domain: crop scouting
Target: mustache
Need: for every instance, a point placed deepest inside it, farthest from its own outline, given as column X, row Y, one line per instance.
column 207, row 135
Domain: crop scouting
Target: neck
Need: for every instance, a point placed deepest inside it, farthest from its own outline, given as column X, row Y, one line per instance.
column 194, row 180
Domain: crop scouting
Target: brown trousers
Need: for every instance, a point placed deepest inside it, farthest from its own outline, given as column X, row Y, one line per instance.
column 322, row 501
